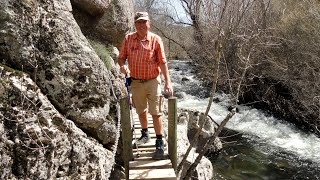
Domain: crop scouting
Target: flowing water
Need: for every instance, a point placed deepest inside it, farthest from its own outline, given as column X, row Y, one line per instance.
column 256, row 145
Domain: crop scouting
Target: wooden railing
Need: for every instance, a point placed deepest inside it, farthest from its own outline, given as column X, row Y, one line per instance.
column 172, row 130
column 127, row 132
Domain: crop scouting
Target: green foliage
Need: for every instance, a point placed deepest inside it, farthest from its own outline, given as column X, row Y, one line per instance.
column 14, row 71
column 103, row 53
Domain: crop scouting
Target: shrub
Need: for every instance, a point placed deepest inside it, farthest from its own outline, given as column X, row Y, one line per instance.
column 103, row 52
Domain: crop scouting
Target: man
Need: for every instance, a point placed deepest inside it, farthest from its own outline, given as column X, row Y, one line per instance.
column 146, row 60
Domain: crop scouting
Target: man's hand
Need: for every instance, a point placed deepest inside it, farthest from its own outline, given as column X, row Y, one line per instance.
column 124, row 69
column 168, row 88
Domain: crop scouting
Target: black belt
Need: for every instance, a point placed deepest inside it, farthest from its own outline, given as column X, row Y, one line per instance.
column 141, row 80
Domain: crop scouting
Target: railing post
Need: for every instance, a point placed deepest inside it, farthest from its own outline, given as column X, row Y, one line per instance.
column 126, row 134
column 172, row 130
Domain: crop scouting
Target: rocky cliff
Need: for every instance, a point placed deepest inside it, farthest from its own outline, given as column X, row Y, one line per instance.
column 58, row 105
column 38, row 142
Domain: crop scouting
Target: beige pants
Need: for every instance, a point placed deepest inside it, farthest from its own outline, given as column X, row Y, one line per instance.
column 147, row 96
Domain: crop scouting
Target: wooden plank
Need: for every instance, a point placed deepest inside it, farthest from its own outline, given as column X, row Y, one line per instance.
column 151, row 143
column 142, row 155
column 138, row 136
column 136, row 116
column 154, row 164
column 138, row 131
column 153, row 174
column 146, row 156
column 138, row 126
column 138, row 121
column 147, row 149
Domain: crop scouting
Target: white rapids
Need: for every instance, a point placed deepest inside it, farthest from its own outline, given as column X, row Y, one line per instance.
column 249, row 121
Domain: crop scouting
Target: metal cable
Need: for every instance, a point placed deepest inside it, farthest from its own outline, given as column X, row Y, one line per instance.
column 131, row 115
column 119, row 122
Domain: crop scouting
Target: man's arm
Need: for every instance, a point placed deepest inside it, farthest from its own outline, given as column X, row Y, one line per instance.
column 165, row 72
column 123, row 57
column 123, row 67
column 164, row 67
column 121, row 62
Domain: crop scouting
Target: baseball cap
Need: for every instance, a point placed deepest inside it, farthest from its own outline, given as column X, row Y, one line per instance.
column 141, row 16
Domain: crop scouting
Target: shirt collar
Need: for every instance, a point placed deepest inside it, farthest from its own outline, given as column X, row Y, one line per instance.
column 147, row 37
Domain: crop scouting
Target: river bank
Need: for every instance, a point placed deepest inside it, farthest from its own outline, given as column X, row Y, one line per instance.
column 272, row 96
column 264, row 147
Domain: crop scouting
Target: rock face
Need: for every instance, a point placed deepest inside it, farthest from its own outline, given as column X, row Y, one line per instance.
column 188, row 123
column 42, row 39
column 195, row 120
column 37, row 142
column 104, row 23
column 93, row 7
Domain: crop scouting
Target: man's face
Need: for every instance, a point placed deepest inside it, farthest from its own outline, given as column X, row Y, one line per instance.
column 142, row 26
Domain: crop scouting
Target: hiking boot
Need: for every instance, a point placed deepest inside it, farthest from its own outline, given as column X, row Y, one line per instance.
column 143, row 139
column 159, row 153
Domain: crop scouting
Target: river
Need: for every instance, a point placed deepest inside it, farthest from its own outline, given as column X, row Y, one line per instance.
column 256, row 145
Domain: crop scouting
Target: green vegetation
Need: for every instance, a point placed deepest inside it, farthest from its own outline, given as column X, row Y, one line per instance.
column 14, row 71
column 103, row 53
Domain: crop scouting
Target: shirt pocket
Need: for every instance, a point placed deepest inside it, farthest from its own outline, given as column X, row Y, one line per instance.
column 132, row 51
column 151, row 54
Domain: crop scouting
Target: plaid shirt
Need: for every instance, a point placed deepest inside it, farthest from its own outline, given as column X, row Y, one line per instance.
column 144, row 56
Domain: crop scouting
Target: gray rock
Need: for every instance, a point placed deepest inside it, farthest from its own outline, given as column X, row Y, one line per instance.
column 93, row 7
column 37, row 142
column 43, row 39
column 188, row 123
column 58, row 116
column 105, row 22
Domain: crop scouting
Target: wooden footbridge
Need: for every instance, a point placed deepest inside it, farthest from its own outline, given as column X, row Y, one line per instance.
column 138, row 162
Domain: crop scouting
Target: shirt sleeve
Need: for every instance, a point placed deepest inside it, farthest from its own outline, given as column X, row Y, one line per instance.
column 123, row 50
column 161, row 57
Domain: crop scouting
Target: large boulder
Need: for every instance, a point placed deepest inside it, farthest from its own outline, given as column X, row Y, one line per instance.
column 188, row 124
column 37, row 142
column 104, row 20
column 196, row 119
column 43, row 39
column 60, row 121
column 92, row 7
